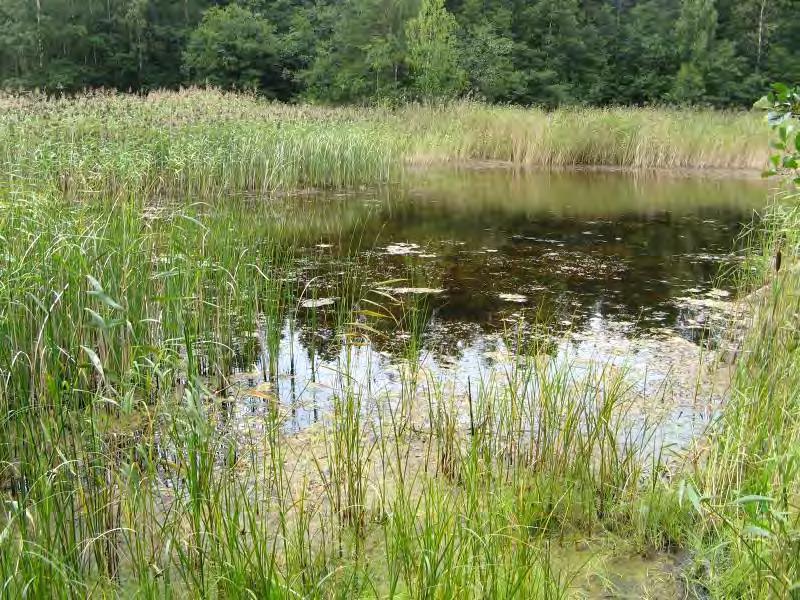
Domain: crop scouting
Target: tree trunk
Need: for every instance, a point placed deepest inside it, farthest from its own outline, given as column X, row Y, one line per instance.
column 760, row 34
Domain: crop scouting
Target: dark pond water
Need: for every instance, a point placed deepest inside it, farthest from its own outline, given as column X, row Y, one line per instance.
column 601, row 262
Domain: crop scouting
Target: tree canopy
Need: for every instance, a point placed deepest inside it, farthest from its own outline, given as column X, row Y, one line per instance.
column 546, row 52
column 233, row 47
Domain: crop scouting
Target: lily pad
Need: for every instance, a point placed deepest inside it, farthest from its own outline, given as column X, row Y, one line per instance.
column 413, row 290
column 400, row 249
column 317, row 302
column 519, row 298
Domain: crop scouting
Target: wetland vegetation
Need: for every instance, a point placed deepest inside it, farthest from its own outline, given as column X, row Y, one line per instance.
column 258, row 350
column 207, row 142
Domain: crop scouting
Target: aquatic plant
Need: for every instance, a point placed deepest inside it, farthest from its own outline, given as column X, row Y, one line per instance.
column 641, row 138
column 124, row 468
column 746, row 483
column 207, row 142
column 131, row 295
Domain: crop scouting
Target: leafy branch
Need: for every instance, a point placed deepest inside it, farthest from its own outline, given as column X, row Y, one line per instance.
column 783, row 106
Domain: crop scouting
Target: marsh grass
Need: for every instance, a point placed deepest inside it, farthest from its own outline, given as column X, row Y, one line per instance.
column 206, row 142
column 747, row 487
column 123, row 470
column 128, row 304
column 638, row 138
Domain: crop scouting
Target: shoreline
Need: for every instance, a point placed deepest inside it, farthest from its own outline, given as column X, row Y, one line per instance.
column 742, row 173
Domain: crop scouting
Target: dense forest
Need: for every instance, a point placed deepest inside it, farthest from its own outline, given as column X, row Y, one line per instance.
column 546, row 52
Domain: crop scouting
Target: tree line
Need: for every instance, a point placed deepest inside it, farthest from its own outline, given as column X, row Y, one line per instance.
column 544, row 52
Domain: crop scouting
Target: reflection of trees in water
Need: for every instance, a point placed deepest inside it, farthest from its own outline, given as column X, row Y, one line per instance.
column 583, row 195
column 536, row 224
column 625, row 279
column 322, row 342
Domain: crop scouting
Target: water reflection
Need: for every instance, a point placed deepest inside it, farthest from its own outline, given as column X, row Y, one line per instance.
column 596, row 264
column 573, row 244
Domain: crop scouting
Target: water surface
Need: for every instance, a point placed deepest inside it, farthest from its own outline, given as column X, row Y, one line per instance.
column 599, row 263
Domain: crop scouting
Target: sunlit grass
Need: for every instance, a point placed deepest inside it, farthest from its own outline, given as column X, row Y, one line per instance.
column 205, row 142
column 121, row 326
column 130, row 294
column 659, row 138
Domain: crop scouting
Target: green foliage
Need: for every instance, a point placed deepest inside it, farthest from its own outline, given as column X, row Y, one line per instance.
column 689, row 86
column 362, row 55
column 783, row 104
column 551, row 52
column 647, row 52
column 695, row 30
column 544, row 52
column 486, row 57
column 749, row 484
column 233, row 48
column 433, row 52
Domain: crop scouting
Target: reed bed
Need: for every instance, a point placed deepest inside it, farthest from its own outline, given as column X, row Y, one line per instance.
column 635, row 138
column 123, row 472
column 201, row 142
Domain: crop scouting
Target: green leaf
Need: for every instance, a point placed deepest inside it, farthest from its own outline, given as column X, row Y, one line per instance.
column 753, row 498
column 756, row 531
column 365, row 327
column 95, row 361
column 98, row 293
column 687, row 489
column 781, row 90
column 371, row 313
column 694, row 497
column 763, row 103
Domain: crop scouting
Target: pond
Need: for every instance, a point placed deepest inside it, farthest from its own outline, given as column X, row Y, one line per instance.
column 610, row 268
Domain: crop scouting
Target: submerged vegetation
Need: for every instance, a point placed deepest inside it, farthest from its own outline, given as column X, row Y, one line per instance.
column 127, row 298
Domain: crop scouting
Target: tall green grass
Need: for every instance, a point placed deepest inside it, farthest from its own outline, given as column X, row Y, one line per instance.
column 129, row 290
column 196, row 143
column 202, row 142
column 123, row 472
column 746, row 485
column 639, row 138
